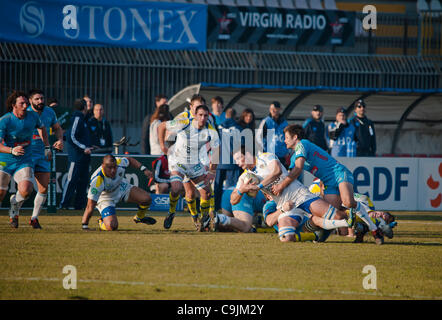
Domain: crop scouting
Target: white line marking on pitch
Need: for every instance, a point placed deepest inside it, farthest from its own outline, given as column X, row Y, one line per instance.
column 214, row 286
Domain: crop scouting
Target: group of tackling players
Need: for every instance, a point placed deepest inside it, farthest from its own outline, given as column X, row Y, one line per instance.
column 265, row 185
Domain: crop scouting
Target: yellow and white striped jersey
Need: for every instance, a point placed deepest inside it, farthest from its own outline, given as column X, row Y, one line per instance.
column 190, row 140
column 100, row 183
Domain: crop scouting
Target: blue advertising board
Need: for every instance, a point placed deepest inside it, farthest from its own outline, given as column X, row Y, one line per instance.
column 106, row 23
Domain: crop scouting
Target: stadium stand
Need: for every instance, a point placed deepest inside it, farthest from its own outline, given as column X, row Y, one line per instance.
column 272, row 3
column 330, row 5
column 258, row 3
column 316, row 4
column 288, row 4
column 301, row 4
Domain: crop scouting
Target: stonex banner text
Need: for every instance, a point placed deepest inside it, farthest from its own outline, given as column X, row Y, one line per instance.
column 265, row 25
column 109, row 23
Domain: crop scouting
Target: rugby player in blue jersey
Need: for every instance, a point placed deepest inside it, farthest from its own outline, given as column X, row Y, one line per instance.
column 16, row 129
column 41, row 164
column 337, row 179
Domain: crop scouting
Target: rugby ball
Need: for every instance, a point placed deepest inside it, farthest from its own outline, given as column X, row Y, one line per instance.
column 251, row 178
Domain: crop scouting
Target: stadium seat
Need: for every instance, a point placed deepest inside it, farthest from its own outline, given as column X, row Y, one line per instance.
column 243, row 3
column 198, row 1
column 287, row 4
column 420, row 155
column 435, row 5
column 422, row 5
column 404, row 155
column 228, row 3
column 316, row 4
column 435, row 156
column 301, row 4
column 272, row 3
column 258, row 3
column 389, row 155
column 330, row 5
column 214, row 2
column 180, row 1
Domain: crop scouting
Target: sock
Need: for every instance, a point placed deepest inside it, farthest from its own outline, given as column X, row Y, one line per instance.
column 191, row 203
column 310, row 227
column 223, row 219
column 362, row 213
column 142, row 210
column 18, row 199
column 333, row 224
column 173, row 202
column 212, row 201
column 305, row 236
column 39, row 200
column 204, row 206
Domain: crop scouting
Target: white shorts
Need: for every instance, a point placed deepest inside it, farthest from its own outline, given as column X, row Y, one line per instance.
column 295, row 192
column 111, row 199
column 190, row 171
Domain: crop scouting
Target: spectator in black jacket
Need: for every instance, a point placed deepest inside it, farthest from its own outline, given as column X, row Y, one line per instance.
column 314, row 128
column 79, row 157
column 365, row 136
column 100, row 130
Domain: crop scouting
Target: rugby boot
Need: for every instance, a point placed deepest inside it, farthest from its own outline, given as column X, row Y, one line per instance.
column 168, row 221
column 34, row 223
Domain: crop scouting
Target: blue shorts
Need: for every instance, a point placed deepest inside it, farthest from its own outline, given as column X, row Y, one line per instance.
column 12, row 164
column 340, row 175
column 306, row 205
column 247, row 204
column 41, row 164
column 107, row 212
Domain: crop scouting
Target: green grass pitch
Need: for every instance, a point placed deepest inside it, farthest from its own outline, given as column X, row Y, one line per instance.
column 148, row 262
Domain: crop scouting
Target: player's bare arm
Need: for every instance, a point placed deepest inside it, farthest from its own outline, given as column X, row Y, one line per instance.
column 134, row 163
column 292, row 176
column 91, row 204
column 58, row 131
column 162, row 136
column 43, row 133
column 272, row 218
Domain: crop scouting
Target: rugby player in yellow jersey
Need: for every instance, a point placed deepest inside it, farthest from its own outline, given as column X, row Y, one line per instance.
column 193, row 134
column 108, row 187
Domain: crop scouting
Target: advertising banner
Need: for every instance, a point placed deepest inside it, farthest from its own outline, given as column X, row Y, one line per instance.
column 265, row 25
column 403, row 184
column 105, row 23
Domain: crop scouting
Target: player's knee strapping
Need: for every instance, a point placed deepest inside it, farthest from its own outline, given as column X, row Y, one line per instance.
column 331, row 213
column 286, row 231
column 201, row 185
column 176, row 178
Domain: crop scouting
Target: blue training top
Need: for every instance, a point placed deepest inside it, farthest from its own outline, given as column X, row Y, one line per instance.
column 15, row 132
column 317, row 161
column 48, row 118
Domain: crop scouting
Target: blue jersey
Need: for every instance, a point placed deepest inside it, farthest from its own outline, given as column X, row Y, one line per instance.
column 319, row 163
column 48, row 119
column 17, row 132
